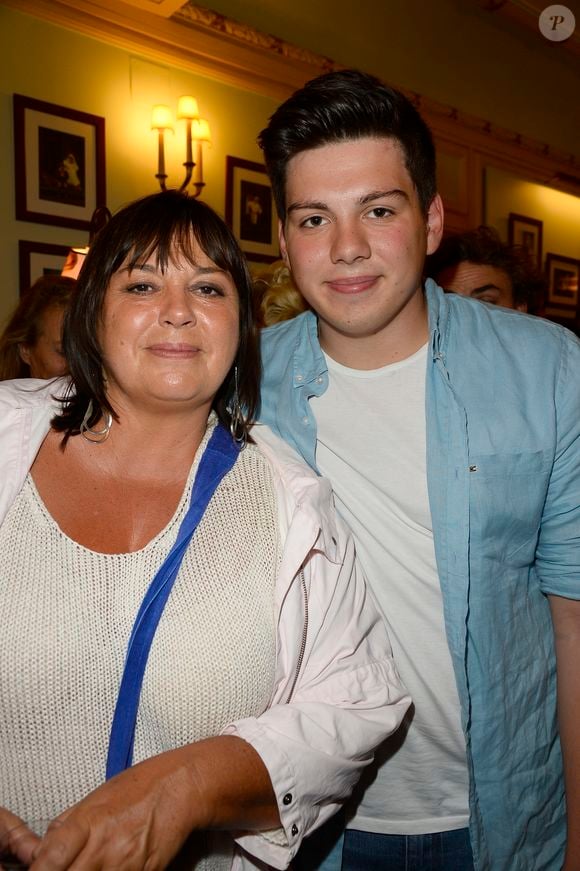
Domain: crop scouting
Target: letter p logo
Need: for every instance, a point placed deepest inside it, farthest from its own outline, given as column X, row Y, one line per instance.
column 557, row 23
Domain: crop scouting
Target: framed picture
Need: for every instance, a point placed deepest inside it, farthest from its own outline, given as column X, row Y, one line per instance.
column 250, row 210
column 563, row 274
column 37, row 259
column 526, row 232
column 59, row 163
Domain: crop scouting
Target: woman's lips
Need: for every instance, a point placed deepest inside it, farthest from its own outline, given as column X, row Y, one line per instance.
column 174, row 351
column 353, row 284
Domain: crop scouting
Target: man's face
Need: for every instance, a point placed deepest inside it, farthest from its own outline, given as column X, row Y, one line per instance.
column 355, row 239
column 479, row 281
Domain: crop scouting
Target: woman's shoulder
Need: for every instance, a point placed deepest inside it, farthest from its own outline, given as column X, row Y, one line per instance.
column 300, row 483
column 23, row 393
column 283, row 458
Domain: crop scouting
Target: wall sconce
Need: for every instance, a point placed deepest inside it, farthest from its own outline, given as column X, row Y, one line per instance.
column 196, row 132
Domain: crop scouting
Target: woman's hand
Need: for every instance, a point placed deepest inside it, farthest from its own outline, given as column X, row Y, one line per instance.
column 16, row 838
column 139, row 820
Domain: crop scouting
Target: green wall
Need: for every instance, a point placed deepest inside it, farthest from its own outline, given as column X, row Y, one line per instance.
column 60, row 66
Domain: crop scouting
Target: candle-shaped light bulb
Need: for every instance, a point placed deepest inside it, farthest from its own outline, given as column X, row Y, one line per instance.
column 200, row 130
column 161, row 118
column 187, row 108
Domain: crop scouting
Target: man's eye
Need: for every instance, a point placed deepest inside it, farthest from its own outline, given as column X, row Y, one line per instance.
column 313, row 221
column 380, row 212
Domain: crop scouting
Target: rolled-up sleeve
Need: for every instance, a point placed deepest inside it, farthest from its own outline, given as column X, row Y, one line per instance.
column 558, row 550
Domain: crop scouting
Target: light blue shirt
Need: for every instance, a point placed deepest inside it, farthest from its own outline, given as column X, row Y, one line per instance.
column 503, row 470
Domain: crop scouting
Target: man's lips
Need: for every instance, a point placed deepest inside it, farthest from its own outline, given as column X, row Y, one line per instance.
column 174, row 350
column 352, row 284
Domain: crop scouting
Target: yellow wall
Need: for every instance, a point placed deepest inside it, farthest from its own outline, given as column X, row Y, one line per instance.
column 49, row 63
column 559, row 212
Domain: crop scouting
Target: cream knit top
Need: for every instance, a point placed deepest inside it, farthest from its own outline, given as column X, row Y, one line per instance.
column 67, row 613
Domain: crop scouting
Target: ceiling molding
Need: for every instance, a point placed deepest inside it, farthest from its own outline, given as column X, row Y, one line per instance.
column 204, row 42
column 165, row 8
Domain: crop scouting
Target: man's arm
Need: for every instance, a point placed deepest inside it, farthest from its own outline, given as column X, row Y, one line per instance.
column 566, row 620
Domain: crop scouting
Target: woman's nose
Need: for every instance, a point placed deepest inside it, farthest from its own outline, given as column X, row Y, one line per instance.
column 177, row 309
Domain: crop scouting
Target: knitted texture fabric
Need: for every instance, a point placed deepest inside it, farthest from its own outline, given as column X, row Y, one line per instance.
column 68, row 613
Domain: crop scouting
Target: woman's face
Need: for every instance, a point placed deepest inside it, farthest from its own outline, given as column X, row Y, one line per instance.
column 45, row 357
column 169, row 337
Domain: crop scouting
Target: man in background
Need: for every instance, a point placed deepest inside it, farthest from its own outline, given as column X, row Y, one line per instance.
column 451, row 435
column 479, row 265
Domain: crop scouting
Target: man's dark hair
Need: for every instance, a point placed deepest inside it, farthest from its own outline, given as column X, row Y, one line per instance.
column 164, row 224
column 341, row 106
column 484, row 246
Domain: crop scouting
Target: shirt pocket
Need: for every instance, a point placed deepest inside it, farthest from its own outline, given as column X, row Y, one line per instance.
column 507, row 495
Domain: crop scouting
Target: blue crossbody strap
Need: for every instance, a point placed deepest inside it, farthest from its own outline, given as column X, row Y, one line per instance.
column 217, row 460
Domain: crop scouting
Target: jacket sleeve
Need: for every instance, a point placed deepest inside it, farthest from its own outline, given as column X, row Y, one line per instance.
column 558, row 549
column 348, row 698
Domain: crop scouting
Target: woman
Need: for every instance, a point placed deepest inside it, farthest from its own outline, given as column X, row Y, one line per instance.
column 269, row 680
column 31, row 344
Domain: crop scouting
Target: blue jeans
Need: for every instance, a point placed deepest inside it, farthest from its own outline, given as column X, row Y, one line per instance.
column 367, row 851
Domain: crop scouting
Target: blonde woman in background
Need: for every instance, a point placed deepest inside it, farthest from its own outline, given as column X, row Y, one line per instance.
column 276, row 297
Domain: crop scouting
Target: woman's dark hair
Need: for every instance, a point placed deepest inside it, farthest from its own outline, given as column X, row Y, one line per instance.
column 341, row 106
column 162, row 224
column 25, row 324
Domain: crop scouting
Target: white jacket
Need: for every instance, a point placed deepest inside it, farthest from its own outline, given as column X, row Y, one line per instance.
column 337, row 694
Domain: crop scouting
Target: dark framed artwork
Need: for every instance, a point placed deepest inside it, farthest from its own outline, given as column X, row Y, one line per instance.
column 59, row 163
column 37, row 259
column 563, row 274
column 526, row 232
column 250, row 209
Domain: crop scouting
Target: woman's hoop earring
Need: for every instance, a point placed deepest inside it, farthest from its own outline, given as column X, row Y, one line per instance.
column 96, row 436
column 237, row 423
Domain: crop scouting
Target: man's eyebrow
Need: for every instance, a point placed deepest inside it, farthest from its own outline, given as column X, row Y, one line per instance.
column 379, row 195
column 485, row 287
column 318, row 205
column 307, row 204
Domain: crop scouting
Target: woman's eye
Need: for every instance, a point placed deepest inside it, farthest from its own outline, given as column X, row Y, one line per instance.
column 209, row 290
column 139, row 287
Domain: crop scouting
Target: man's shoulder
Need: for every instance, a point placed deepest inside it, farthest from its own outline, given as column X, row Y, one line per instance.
column 282, row 336
column 482, row 322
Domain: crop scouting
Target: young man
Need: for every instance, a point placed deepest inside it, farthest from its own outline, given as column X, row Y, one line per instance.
column 451, row 434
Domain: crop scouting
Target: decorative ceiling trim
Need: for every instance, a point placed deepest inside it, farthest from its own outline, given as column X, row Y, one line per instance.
column 197, row 39
column 200, row 16
column 165, row 8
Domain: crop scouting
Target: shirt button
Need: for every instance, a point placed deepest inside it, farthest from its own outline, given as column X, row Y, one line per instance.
column 294, row 830
column 300, row 377
column 287, row 798
column 305, row 421
column 319, row 379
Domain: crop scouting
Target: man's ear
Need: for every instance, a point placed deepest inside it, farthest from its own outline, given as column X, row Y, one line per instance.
column 24, row 352
column 434, row 224
column 282, row 240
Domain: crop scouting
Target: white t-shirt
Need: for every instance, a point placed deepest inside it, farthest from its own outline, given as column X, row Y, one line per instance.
column 371, row 445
